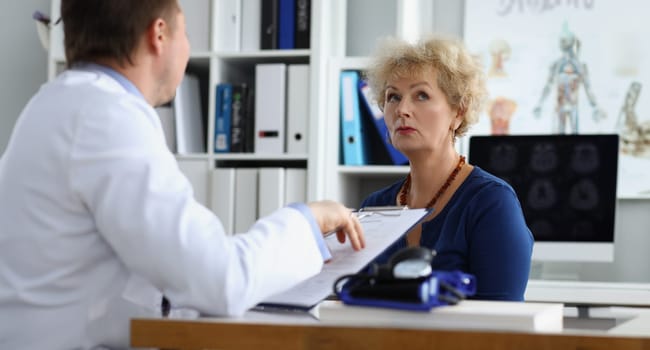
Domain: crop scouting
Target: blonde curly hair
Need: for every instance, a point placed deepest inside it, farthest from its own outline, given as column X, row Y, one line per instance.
column 460, row 76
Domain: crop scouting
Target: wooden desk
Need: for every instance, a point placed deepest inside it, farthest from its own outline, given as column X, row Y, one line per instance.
column 233, row 334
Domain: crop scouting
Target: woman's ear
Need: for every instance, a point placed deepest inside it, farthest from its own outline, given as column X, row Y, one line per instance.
column 460, row 115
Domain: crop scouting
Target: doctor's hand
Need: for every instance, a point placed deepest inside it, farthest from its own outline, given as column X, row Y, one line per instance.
column 332, row 216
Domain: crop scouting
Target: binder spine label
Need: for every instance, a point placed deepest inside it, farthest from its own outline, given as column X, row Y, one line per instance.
column 303, row 24
column 223, row 118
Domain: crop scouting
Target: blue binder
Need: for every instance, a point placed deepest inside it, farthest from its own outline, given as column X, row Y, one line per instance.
column 352, row 143
column 286, row 22
column 377, row 117
column 223, row 114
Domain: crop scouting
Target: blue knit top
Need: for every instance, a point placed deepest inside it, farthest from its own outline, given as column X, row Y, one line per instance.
column 481, row 230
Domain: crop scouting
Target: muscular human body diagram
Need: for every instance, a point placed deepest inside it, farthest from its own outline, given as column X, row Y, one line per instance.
column 635, row 135
column 567, row 74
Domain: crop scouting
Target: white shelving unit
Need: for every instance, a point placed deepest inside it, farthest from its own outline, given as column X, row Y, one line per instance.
column 407, row 19
column 339, row 28
column 343, row 33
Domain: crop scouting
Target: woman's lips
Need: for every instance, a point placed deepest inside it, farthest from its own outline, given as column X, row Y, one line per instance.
column 405, row 129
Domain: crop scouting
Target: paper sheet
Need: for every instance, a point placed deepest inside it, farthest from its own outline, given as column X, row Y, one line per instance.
column 381, row 229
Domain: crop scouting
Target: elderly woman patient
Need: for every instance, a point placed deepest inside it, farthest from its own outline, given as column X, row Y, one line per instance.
column 431, row 93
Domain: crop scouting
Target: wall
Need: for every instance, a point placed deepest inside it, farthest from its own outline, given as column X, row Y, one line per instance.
column 23, row 70
column 23, row 62
column 631, row 258
column 632, row 234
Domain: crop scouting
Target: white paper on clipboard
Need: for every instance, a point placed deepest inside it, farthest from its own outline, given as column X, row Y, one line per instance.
column 382, row 226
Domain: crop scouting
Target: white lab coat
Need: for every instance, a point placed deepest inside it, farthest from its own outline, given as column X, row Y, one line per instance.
column 97, row 222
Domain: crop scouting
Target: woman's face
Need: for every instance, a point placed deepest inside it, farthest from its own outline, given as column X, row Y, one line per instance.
column 417, row 114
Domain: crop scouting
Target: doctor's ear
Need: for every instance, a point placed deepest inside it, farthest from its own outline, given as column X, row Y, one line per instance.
column 156, row 34
column 411, row 262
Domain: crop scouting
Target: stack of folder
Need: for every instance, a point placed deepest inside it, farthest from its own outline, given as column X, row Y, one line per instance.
column 364, row 135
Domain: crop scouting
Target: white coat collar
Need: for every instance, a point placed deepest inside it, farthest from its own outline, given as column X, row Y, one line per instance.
column 117, row 76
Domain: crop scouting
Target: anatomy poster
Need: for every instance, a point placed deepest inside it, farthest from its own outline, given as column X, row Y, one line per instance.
column 568, row 66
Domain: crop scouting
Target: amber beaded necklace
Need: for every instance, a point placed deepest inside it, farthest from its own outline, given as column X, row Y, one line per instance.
column 404, row 192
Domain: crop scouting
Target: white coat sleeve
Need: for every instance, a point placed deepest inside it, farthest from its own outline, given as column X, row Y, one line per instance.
column 144, row 208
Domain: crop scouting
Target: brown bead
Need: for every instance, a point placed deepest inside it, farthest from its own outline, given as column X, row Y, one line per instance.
column 403, row 194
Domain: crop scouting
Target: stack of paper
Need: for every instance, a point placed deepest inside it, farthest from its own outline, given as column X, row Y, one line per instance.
column 468, row 314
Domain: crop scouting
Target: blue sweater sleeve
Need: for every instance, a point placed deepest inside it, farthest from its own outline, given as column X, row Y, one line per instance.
column 500, row 245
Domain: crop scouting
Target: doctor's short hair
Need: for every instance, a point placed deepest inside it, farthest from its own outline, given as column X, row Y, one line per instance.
column 110, row 29
column 460, row 75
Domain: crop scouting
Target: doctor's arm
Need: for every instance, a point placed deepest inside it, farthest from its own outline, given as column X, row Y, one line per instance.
column 145, row 209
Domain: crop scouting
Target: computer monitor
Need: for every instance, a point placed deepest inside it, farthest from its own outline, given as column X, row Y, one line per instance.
column 566, row 185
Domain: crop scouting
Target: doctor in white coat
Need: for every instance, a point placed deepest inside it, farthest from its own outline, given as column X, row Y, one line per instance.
column 97, row 223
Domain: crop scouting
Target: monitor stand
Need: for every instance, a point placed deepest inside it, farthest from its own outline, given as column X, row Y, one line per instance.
column 555, row 271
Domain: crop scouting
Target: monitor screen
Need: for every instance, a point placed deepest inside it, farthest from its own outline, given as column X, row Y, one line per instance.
column 566, row 185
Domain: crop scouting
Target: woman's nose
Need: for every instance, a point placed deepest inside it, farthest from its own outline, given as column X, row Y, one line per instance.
column 403, row 108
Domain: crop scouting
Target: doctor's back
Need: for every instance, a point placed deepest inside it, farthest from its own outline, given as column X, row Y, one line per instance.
column 97, row 222
column 54, row 264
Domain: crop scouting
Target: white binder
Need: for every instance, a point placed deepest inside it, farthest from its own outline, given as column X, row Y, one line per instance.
column 295, row 185
column 196, row 172
column 270, row 107
column 297, row 108
column 166, row 114
column 222, row 198
column 188, row 115
column 197, row 24
column 251, row 25
column 245, row 198
column 227, row 25
column 271, row 190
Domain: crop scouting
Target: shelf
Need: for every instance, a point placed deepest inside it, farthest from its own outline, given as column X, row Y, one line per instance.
column 252, row 55
column 373, row 170
column 259, row 156
column 350, row 63
column 192, row 156
column 280, row 55
column 263, row 53
column 242, row 156
column 214, row 61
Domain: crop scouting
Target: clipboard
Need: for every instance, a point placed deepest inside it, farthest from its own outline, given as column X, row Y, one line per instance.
column 382, row 227
column 382, row 211
column 377, row 210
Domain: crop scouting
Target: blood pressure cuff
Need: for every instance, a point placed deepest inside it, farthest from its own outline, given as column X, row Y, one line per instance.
column 419, row 294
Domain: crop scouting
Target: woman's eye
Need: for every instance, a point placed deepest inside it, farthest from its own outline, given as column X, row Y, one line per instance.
column 392, row 98
column 423, row 96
